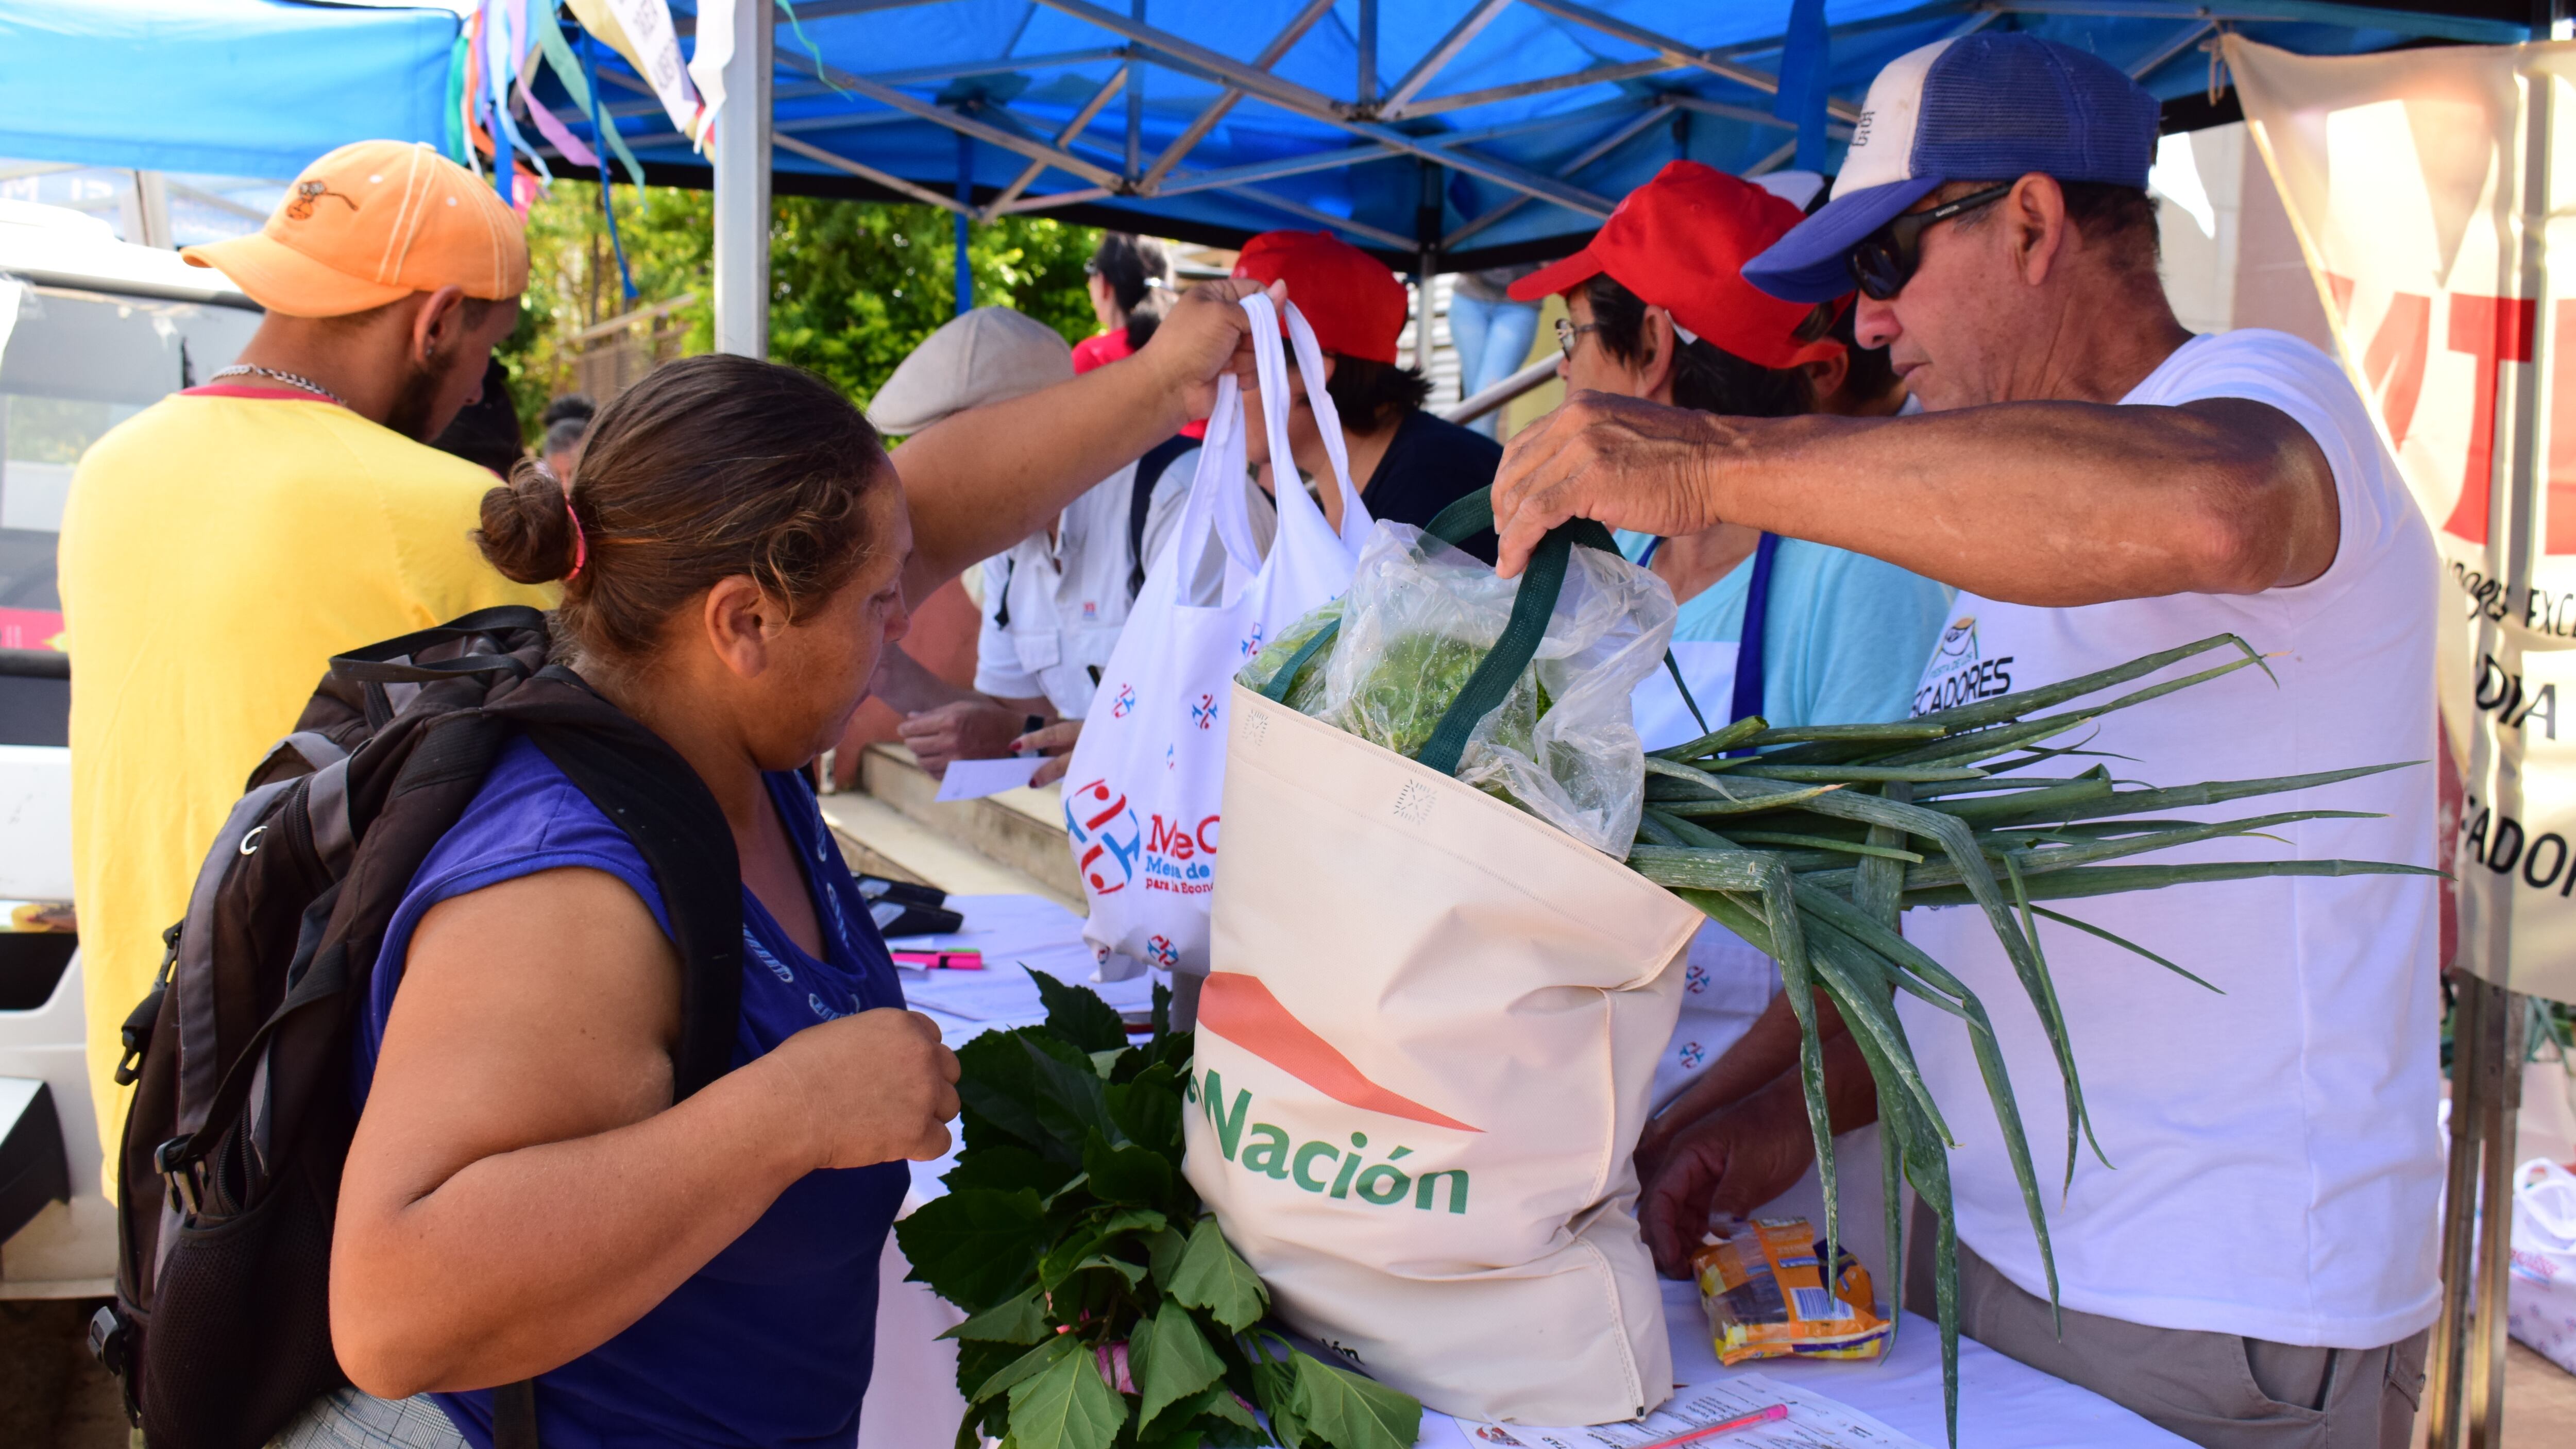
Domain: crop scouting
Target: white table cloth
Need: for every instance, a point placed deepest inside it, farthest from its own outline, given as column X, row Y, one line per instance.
column 913, row 1402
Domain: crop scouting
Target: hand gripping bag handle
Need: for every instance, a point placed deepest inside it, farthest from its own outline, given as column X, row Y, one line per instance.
column 1224, row 507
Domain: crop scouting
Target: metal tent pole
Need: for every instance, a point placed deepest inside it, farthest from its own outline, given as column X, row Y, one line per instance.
column 965, row 201
column 1426, row 232
column 742, row 186
column 2465, row 1382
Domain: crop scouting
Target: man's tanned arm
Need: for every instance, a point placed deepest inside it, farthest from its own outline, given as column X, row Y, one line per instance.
column 2045, row 503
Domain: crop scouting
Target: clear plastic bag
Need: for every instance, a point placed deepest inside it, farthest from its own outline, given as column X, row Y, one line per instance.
column 1421, row 616
column 1306, row 694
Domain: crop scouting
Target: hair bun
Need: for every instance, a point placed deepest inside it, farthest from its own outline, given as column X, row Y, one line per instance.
column 527, row 530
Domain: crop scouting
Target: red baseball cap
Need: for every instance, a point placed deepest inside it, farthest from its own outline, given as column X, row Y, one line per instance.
column 1352, row 300
column 1680, row 242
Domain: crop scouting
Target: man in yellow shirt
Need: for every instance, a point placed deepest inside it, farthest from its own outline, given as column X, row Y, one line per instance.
column 219, row 547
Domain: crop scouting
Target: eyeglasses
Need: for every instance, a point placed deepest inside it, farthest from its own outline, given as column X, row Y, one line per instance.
column 1566, row 332
column 1885, row 259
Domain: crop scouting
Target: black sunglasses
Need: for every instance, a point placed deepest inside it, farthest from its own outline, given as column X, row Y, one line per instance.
column 1885, row 259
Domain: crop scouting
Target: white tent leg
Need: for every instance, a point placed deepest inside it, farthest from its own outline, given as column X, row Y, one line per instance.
column 742, row 187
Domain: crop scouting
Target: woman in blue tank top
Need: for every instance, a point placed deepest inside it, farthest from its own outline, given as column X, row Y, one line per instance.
column 523, row 1198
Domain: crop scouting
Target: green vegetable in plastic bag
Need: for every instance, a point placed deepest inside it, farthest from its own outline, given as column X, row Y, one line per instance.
column 1306, row 694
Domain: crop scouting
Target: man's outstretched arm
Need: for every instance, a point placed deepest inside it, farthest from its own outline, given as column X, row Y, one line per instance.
column 2046, row 503
column 984, row 479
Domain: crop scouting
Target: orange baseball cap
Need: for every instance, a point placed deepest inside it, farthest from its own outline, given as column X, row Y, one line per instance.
column 1680, row 242
column 371, row 223
column 1350, row 298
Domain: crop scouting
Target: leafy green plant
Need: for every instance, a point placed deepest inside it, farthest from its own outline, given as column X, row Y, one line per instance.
column 1106, row 1308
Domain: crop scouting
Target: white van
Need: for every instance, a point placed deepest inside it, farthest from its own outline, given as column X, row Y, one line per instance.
column 92, row 331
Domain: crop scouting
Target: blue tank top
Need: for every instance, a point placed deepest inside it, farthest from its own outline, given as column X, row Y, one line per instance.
column 771, row 1342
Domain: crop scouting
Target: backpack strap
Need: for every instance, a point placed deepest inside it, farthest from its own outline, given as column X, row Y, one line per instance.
column 514, row 1415
column 393, row 659
column 637, row 780
column 1140, row 503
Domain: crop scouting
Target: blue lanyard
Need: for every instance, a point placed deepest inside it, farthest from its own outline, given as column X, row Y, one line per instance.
column 1757, row 611
column 1748, row 647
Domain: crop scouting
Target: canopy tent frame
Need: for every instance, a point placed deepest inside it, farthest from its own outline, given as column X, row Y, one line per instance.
column 1099, row 162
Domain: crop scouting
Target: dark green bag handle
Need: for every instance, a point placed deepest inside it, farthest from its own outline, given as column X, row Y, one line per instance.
column 1532, row 606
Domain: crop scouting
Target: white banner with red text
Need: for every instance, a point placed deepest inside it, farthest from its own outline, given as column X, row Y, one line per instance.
column 2429, row 190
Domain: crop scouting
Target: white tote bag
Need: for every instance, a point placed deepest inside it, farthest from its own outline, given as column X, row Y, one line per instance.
column 1423, row 1061
column 1144, row 791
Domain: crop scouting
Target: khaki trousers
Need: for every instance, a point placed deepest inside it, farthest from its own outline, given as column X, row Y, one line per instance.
column 2217, row 1390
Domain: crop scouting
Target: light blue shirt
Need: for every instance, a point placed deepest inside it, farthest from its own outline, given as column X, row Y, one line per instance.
column 1844, row 641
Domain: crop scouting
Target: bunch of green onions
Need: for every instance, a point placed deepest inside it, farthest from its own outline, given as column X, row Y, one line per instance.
column 1811, row 847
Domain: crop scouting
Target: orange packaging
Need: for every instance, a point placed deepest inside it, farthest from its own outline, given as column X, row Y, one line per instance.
column 1765, row 1294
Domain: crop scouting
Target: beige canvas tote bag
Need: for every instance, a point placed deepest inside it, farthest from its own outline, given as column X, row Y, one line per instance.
column 1424, row 1055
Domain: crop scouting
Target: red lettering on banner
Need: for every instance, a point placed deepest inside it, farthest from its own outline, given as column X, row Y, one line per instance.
column 2394, row 362
column 1172, row 840
column 2562, row 438
column 2495, row 331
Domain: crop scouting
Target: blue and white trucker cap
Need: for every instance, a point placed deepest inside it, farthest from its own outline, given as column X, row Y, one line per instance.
column 1979, row 108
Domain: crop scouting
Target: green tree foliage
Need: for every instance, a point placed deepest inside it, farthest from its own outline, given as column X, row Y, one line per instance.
column 854, row 286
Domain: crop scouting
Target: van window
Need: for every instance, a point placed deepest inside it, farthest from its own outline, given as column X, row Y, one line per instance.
column 74, row 364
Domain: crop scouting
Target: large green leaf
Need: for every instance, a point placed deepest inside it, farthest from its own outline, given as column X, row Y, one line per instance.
column 1211, row 1275
column 1071, row 1099
column 1351, row 1412
column 1220, row 1418
column 1006, row 1168
column 1028, row 1366
column 1070, row 1406
column 1000, row 1091
column 1081, row 1248
column 1078, row 1015
column 1129, row 1174
column 978, row 1362
column 1148, row 1108
column 1171, row 1360
column 1163, row 1253
column 974, row 1248
column 1020, row 1318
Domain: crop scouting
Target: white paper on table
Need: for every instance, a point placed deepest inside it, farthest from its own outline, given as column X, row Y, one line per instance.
column 975, row 779
column 1814, row 1422
column 1012, row 932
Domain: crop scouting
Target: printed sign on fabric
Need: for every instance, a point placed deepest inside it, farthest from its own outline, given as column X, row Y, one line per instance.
column 2419, row 186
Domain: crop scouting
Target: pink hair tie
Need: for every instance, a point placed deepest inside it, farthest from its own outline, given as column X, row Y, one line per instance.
column 580, row 545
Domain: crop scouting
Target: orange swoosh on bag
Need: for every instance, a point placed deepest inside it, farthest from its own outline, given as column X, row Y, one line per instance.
column 1242, row 1010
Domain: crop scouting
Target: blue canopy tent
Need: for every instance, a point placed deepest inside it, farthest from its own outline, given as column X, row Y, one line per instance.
column 235, row 87
column 1485, row 131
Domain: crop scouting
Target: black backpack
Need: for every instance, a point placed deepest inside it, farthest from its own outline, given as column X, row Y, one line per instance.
column 229, row 1173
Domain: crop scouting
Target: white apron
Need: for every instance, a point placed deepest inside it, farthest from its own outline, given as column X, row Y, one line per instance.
column 1728, row 983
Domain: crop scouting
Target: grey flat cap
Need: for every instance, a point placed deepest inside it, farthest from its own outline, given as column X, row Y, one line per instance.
column 990, row 355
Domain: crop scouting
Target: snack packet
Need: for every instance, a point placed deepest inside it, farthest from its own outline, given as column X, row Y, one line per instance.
column 1764, row 1291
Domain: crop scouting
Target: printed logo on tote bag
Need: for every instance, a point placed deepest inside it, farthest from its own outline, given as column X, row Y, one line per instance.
column 1105, row 836
column 1241, row 1009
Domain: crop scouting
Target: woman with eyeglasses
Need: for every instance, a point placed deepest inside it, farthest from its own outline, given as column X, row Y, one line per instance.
column 1795, row 632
